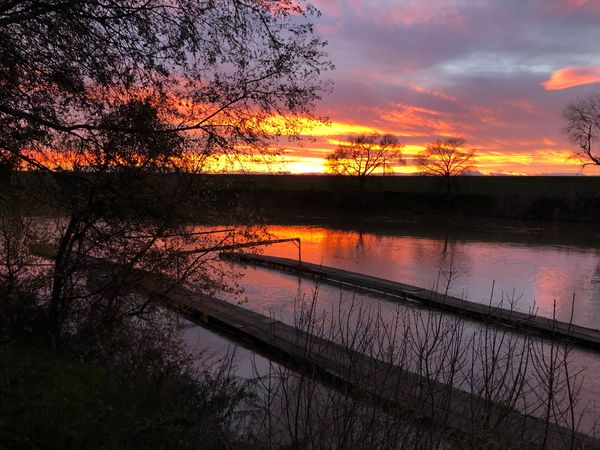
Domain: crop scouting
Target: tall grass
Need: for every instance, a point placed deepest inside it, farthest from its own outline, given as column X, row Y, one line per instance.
column 421, row 380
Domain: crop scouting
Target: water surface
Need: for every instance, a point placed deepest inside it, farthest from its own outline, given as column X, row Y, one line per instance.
column 531, row 268
column 528, row 267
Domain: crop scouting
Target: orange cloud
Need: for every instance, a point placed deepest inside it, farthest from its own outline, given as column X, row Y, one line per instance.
column 314, row 128
column 413, row 121
column 569, row 77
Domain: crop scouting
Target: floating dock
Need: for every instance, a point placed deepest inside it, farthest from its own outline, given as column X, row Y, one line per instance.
column 395, row 291
column 425, row 401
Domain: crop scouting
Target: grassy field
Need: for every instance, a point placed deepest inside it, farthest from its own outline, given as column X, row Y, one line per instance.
column 558, row 186
column 572, row 199
column 50, row 402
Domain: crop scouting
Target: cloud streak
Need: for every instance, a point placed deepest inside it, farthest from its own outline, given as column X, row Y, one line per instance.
column 569, row 77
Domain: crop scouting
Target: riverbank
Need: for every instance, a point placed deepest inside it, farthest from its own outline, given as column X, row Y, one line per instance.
column 551, row 198
column 50, row 400
column 540, row 198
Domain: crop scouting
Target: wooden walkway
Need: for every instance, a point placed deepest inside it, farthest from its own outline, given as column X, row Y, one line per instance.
column 466, row 417
column 396, row 291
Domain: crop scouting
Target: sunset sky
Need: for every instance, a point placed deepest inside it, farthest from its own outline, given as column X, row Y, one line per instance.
column 496, row 72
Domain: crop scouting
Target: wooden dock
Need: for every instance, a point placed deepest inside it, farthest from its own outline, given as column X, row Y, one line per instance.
column 429, row 403
column 395, row 291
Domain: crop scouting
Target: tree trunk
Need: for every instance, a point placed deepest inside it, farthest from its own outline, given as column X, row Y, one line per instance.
column 62, row 259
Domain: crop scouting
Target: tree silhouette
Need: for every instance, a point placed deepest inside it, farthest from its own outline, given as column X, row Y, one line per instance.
column 116, row 103
column 583, row 128
column 446, row 158
column 362, row 155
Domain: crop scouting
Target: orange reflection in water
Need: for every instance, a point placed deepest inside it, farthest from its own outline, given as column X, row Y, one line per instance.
column 522, row 272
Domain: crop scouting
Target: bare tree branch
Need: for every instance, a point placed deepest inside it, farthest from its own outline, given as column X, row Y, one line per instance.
column 446, row 159
column 583, row 128
column 362, row 155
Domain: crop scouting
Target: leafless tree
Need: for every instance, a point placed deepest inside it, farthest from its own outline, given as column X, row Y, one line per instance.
column 446, row 158
column 362, row 155
column 583, row 128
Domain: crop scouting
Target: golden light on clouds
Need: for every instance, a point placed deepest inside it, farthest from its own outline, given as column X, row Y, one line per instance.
column 531, row 158
column 508, row 156
column 305, row 165
column 315, row 128
column 414, row 121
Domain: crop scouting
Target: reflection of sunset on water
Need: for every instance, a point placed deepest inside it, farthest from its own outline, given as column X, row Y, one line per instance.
column 521, row 264
column 530, row 274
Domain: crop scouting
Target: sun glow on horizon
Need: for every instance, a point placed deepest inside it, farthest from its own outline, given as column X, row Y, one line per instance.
column 308, row 155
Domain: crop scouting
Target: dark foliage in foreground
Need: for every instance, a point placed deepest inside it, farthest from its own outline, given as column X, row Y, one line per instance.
column 50, row 401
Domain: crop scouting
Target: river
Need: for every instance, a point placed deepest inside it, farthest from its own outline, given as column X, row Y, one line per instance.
column 526, row 266
column 538, row 266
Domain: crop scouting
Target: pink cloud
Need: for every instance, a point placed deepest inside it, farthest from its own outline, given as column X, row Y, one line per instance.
column 416, row 12
column 569, row 77
column 573, row 5
column 576, row 3
column 406, row 14
column 440, row 93
column 580, row 3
